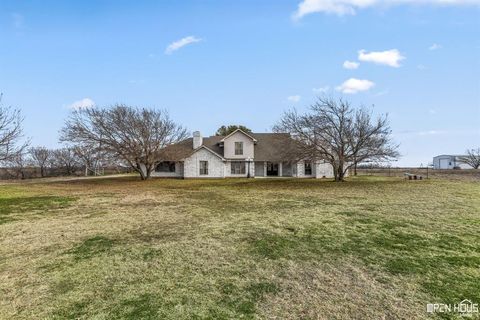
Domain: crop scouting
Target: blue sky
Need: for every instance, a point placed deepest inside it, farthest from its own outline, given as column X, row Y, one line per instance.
column 246, row 62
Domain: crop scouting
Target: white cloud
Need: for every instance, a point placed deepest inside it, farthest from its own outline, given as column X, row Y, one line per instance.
column 321, row 89
column 350, row 7
column 82, row 104
column 381, row 93
column 18, row 20
column 294, row 98
column 430, row 132
column 136, row 81
column 434, row 132
column 434, row 46
column 181, row 43
column 341, row 7
column 390, row 58
column 353, row 85
column 350, row 65
column 421, row 67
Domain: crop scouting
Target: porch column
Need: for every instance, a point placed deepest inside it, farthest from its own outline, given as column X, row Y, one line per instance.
column 251, row 168
column 280, row 169
column 265, row 168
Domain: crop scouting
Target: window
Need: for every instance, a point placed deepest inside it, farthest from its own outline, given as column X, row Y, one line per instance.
column 203, row 168
column 238, row 148
column 238, row 167
column 308, row 168
column 165, row 166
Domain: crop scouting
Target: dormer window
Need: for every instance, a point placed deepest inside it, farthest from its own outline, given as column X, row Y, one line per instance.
column 238, row 148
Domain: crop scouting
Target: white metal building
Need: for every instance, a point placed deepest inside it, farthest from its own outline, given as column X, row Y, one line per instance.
column 446, row 161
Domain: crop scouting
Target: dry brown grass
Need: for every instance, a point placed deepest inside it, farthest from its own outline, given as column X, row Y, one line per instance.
column 120, row 248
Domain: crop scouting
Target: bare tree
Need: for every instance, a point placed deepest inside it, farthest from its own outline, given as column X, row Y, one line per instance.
column 40, row 157
column 65, row 159
column 472, row 158
column 339, row 134
column 134, row 135
column 18, row 163
column 10, row 133
column 90, row 157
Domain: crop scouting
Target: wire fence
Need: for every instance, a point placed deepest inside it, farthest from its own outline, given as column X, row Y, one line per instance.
column 425, row 172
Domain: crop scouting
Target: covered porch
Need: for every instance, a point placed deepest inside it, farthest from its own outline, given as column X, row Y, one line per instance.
column 274, row 169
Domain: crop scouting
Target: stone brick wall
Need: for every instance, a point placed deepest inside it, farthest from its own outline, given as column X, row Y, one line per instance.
column 177, row 174
column 323, row 169
column 216, row 166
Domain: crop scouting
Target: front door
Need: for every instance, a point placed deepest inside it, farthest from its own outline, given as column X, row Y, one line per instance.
column 272, row 169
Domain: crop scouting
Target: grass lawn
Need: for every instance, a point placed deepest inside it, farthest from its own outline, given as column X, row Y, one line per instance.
column 119, row 248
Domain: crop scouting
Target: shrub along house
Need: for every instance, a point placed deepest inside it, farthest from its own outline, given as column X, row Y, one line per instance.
column 239, row 154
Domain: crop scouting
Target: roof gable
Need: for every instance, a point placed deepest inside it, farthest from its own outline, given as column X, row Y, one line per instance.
column 241, row 131
column 268, row 147
column 208, row 149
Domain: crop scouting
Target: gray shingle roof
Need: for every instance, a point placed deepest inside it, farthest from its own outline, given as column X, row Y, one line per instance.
column 274, row 146
column 269, row 147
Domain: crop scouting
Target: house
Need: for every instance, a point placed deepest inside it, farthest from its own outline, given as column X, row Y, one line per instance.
column 445, row 161
column 239, row 154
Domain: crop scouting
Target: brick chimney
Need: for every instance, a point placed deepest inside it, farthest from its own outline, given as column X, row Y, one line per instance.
column 197, row 139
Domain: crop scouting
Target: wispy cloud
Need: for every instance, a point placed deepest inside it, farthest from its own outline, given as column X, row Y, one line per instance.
column 324, row 89
column 136, row 81
column 81, row 104
column 174, row 46
column 381, row 93
column 436, row 132
column 351, row 65
column 295, row 98
column 434, row 46
column 421, row 133
column 390, row 58
column 352, row 86
column 18, row 21
column 327, row 6
column 429, row 133
column 350, row 7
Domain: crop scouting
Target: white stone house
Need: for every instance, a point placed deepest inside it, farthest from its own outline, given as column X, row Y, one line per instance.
column 239, row 154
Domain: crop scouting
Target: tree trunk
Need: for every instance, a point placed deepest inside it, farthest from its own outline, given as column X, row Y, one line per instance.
column 142, row 170
column 335, row 171
column 355, row 168
column 143, row 176
column 340, row 173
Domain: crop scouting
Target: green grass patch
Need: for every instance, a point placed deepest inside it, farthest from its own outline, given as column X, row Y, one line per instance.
column 91, row 247
column 243, row 301
column 146, row 306
column 30, row 204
